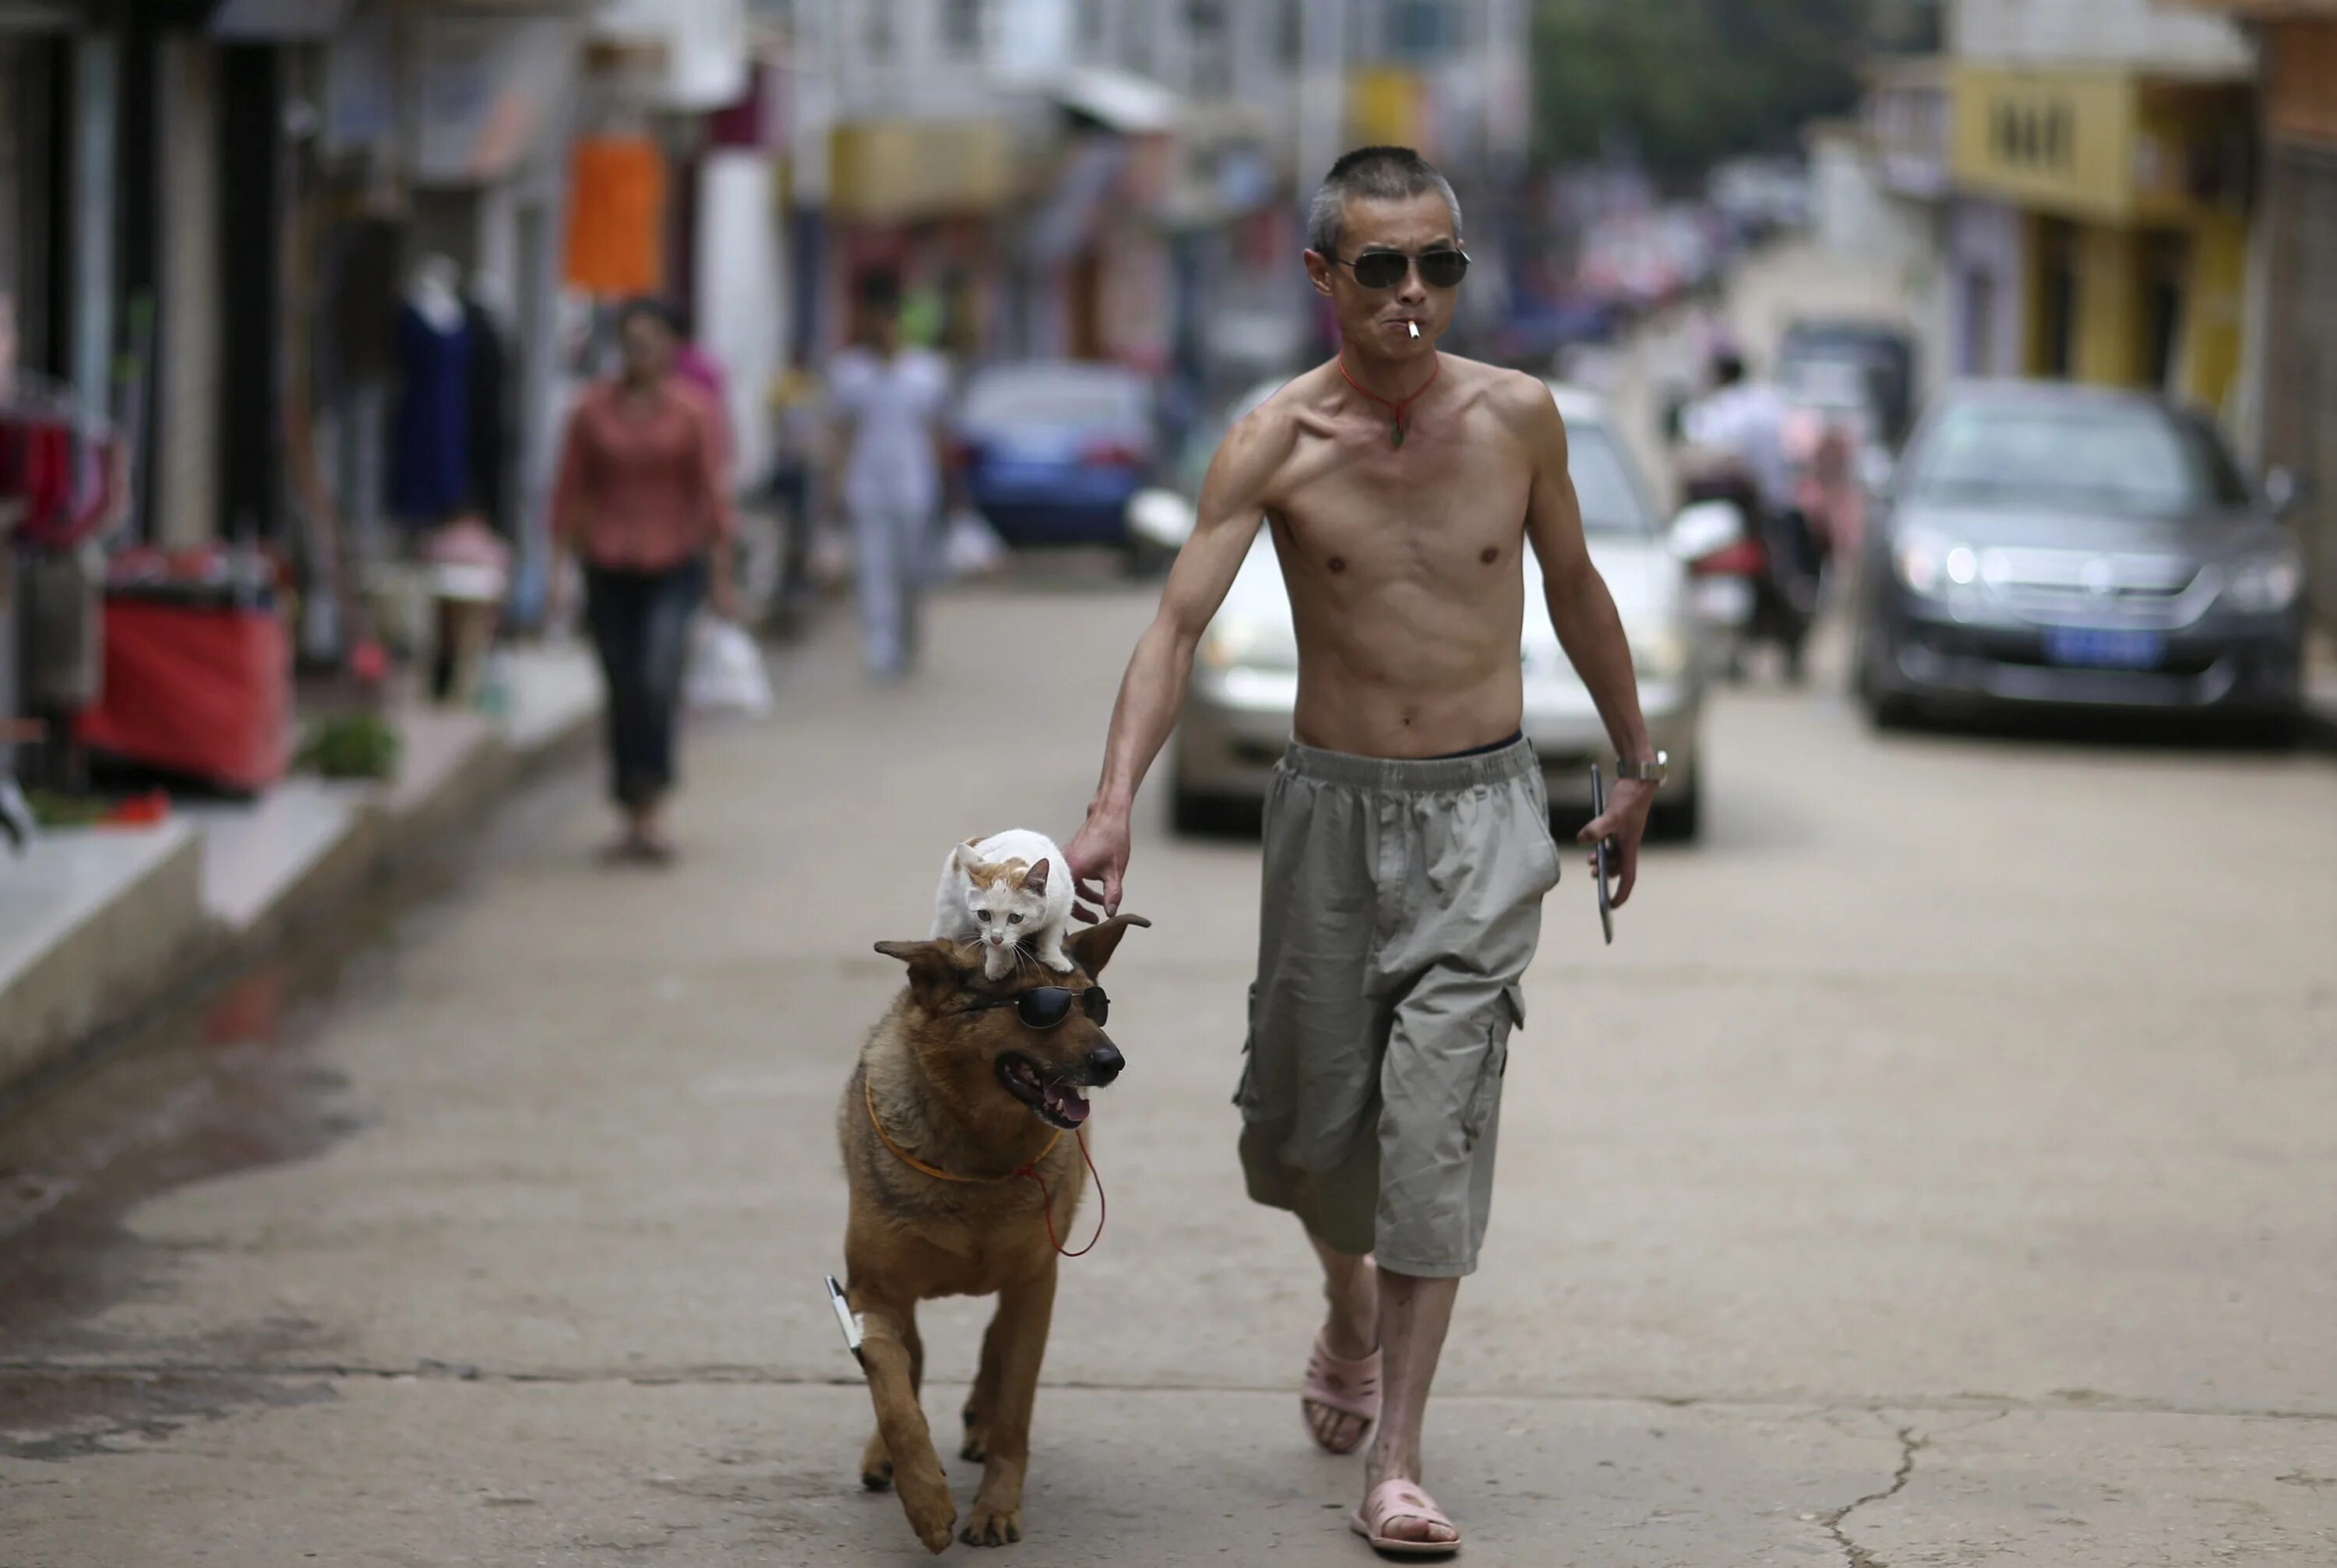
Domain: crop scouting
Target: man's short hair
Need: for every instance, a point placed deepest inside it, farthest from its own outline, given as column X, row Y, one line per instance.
column 1727, row 367
column 1373, row 174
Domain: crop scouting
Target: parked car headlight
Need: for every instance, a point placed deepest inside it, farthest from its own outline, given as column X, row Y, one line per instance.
column 1249, row 645
column 2266, row 583
column 1922, row 559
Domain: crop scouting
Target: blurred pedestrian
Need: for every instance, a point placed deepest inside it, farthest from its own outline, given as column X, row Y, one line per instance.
column 888, row 400
column 643, row 501
column 799, row 431
column 1747, row 418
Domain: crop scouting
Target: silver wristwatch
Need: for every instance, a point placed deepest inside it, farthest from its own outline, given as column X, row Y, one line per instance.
column 1654, row 772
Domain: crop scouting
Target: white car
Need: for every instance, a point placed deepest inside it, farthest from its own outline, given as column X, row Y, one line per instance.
column 1237, row 713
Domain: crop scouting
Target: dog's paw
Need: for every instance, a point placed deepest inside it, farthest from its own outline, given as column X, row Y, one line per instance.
column 936, row 1529
column 992, row 1526
column 875, row 1465
column 926, row 1501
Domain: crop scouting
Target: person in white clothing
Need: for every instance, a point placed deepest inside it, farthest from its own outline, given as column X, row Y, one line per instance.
column 888, row 401
column 1746, row 419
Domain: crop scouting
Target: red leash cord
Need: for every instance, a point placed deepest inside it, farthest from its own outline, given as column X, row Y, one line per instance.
column 1046, row 1201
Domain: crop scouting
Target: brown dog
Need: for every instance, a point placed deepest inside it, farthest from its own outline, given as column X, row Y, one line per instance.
column 965, row 1101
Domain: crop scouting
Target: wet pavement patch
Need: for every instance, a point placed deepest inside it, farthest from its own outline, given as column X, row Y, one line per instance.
column 56, row 1415
column 231, row 1082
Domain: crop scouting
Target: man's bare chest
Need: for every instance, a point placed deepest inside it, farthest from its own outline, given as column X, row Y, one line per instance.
column 1364, row 522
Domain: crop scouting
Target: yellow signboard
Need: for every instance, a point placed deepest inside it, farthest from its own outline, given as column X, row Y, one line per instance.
column 1386, row 106
column 2055, row 141
column 891, row 170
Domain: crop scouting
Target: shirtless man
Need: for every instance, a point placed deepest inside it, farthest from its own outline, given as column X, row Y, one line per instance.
column 1407, row 837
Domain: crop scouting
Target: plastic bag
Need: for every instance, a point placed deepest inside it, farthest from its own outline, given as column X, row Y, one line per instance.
column 726, row 673
column 971, row 547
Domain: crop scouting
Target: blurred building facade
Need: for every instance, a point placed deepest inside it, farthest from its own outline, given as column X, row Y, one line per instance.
column 2290, row 383
column 1118, row 179
column 218, row 217
column 2135, row 192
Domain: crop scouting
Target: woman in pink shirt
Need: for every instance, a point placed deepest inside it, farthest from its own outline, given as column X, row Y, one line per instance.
column 643, row 500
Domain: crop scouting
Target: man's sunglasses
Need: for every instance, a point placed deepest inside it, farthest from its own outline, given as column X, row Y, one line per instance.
column 1384, row 269
column 1045, row 1007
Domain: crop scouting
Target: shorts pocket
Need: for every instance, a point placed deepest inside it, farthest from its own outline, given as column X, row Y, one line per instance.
column 1486, row 1093
column 1538, row 807
column 1248, row 1054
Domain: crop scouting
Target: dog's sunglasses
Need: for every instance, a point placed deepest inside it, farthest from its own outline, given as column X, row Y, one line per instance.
column 1442, row 267
column 1046, row 1006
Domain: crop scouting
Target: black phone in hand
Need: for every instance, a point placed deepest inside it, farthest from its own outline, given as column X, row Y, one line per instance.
column 1599, row 853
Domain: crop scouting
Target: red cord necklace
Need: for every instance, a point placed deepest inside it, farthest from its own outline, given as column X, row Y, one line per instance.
column 1396, row 410
column 1027, row 1173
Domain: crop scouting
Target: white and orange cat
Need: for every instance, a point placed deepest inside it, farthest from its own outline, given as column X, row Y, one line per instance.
column 1007, row 888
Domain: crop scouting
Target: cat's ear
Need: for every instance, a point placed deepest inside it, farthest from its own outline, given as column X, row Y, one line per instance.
column 936, row 968
column 969, row 858
column 1034, row 881
column 1092, row 947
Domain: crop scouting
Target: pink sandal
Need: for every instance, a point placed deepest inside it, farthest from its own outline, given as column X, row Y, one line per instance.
column 1350, row 1387
column 1401, row 1499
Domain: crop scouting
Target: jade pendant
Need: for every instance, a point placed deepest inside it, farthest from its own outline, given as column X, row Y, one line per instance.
column 1395, row 432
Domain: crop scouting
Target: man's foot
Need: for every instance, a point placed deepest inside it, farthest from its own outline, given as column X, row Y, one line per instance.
column 1399, row 1519
column 1341, row 1396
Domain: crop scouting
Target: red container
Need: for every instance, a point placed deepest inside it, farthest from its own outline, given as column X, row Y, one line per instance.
column 198, row 690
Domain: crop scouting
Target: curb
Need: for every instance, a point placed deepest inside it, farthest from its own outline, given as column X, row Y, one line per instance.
column 386, row 841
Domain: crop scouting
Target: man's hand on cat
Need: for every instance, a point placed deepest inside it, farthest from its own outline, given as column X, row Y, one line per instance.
column 1098, row 861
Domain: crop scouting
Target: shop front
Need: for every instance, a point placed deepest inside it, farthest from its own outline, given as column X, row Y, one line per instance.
column 2129, row 195
column 920, row 199
column 2300, row 219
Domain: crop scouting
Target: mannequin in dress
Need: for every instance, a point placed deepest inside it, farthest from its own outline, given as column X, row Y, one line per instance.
column 430, row 437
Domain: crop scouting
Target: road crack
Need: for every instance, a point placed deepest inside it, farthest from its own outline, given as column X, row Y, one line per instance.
column 1859, row 1556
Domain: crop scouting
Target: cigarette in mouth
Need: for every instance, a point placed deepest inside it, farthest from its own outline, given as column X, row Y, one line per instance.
column 1412, row 327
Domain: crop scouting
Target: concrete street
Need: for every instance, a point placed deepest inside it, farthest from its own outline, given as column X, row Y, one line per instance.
column 1935, row 1170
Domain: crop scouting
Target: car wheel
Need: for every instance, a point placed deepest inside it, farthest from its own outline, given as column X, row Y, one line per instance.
column 1675, row 817
column 1886, row 709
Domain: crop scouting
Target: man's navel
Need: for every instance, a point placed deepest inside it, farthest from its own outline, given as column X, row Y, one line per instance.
column 1338, row 562
column 1490, row 554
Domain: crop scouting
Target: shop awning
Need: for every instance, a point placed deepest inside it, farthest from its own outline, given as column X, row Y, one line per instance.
column 1118, row 101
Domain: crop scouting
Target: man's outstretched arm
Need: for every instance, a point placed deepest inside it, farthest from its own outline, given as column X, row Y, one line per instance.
column 1233, row 501
column 1583, row 613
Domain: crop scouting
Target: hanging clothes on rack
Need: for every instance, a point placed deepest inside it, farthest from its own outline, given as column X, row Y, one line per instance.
column 489, row 413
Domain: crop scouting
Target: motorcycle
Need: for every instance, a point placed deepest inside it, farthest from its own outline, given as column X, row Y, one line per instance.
column 1750, row 574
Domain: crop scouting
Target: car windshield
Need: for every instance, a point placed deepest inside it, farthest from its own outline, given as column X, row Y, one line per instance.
column 1604, row 482
column 2128, row 460
column 1054, row 395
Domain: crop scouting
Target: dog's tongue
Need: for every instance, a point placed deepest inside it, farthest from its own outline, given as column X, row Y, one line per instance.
column 1067, row 1104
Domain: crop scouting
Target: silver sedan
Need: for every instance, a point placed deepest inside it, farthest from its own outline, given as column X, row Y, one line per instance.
column 1237, row 714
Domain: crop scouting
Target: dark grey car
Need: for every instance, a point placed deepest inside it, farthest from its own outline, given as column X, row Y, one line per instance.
column 2045, row 543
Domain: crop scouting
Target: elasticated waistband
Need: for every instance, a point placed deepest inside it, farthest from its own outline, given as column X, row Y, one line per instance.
column 1515, row 760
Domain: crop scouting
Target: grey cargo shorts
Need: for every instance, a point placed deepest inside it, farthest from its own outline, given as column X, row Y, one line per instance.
column 1402, row 905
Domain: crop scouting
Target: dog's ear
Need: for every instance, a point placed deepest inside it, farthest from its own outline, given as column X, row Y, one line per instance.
column 1092, row 948
column 935, row 969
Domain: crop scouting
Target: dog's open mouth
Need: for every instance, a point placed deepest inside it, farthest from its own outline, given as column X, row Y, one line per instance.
column 1053, row 1101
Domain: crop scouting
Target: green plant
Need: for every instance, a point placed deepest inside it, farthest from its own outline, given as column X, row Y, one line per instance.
column 351, row 746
